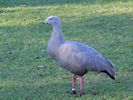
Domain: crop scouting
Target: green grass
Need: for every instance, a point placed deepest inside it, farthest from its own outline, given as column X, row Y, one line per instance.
column 102, row 24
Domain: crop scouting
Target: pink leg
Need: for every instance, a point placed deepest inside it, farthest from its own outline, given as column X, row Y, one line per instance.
column 74, row 77
column 81, row 85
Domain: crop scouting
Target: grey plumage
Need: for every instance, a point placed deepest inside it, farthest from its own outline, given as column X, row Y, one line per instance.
column 75, row 57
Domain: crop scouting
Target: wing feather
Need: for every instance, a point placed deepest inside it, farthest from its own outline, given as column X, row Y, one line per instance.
column 76, row 56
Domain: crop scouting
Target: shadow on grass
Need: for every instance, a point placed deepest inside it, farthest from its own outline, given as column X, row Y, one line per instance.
column 6, row 3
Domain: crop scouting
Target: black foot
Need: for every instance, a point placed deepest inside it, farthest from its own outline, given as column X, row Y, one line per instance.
column 81, row 93
column 74, row 93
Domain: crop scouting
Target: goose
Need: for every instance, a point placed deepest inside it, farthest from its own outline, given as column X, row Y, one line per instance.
column 76, row 57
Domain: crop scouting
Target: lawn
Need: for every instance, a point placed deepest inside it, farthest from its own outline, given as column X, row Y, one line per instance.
column 28, row 73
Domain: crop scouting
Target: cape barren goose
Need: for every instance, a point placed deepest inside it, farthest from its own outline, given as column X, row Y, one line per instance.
column 75, row 57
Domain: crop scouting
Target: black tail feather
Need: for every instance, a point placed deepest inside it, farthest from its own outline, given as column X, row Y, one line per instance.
column 109, row 75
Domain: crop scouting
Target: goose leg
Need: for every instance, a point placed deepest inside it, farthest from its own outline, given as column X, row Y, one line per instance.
column 82, row 86
column 74, row 77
